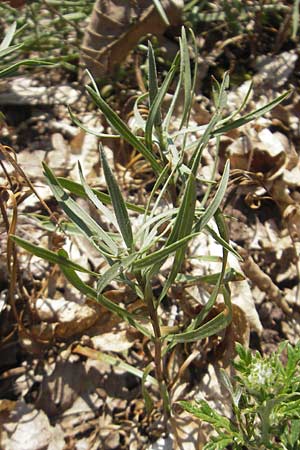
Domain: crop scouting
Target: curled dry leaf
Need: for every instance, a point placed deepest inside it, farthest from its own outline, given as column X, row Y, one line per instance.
column 116, row 27
column 242, row 297
column 270, row 162
column 261, row 152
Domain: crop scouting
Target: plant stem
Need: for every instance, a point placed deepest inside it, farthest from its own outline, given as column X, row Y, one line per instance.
column 158, row 360
column 265, row 421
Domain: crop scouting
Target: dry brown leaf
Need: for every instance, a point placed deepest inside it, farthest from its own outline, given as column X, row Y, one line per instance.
column 117, row 26
column 112, row 342
column 292, row 216
column 237, row 331
column 68, row 318
column 263, row 281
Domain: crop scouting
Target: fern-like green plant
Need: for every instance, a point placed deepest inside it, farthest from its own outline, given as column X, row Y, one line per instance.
column 265, row 403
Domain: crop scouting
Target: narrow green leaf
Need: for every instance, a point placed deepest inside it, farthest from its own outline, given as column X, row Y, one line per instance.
column 50, row 256
column 154, row 223
column 81, row 218
column 251, row 116
column 8, row 36
column 118, row 125
column 114, row 272
column 155, row 235
column 89, row 130
column 208, row 305
column 208, row 131
column 194, row 161
column 186, row 211
column 162, row 254
column 225, row 380
column 295, row 18
column 222, row 242
column 210, row 328
column 152, row 83
column 221, row 282
column 155, row 107
column 187, row 79
column 117, row 202
column 182, row 227
column 215, row 203
column 143, row 232
column 95, row 200
column 139, row 121
column 6, row 51
column 222, row 228
column 195, row 50
column 193, row 280
column 45, row 223
column 158, row 182
column 147, row 398
column 175, row 97
column 241, row 106
column 77, row 189
column 161, row 11
column 215, row 90
column 222, row 97
column 26, row 62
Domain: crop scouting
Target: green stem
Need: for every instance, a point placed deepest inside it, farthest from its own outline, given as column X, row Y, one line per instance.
column 265, row 423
